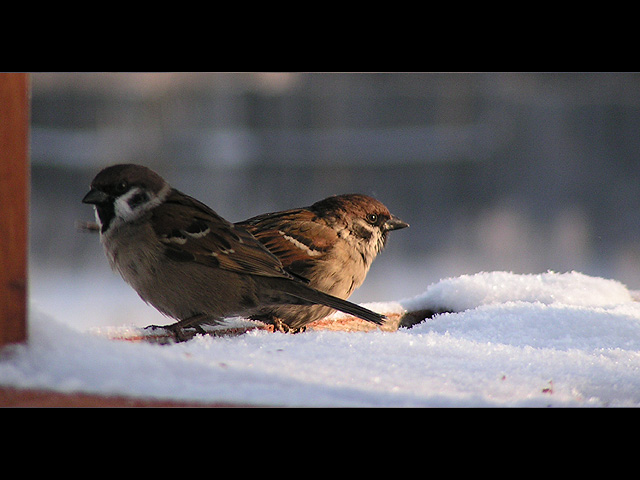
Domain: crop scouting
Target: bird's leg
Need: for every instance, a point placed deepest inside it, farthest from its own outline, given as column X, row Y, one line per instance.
column 177, row 329
column 280, row 326
column 199, row 330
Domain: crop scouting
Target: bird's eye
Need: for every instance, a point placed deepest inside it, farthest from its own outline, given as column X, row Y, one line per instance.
column 122, row 187
column 372, row 218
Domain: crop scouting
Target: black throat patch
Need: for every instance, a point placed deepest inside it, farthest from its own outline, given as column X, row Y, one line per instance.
column 106, row 213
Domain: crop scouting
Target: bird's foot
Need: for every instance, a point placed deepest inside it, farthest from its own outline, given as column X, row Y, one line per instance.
column 280, row 326
column 176, row 331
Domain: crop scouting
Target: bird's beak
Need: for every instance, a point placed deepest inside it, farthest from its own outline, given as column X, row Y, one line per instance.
column 95, row 197
column 394, row 223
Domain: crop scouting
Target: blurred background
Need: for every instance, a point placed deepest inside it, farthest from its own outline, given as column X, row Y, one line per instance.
column 524, row 172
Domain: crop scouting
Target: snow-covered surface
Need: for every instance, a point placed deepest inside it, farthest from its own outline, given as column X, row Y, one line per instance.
column 564, row 340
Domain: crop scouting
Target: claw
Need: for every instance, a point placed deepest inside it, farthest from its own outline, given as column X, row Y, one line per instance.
column 280, row 326
column 179, row 335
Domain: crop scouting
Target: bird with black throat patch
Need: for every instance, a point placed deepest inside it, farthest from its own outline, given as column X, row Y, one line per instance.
column 187, row 261
column 331, row 243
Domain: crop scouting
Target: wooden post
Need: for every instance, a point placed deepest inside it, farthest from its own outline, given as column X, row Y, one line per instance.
column 14, row 198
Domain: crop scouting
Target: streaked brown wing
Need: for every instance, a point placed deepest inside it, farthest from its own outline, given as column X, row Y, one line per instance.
column 191, row 231
column 294, row 236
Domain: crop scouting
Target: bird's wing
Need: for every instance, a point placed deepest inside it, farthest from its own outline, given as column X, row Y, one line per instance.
column 294, row 236
column 192, row 232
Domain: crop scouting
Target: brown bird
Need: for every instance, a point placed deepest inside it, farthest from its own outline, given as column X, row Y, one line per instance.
column 332, row 244
column 187, row 261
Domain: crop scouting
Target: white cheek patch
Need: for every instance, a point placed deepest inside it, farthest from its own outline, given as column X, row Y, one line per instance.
column 122, row 208
column 135, row 202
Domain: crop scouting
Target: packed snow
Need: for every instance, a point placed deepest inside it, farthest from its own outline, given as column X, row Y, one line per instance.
column 538, row 340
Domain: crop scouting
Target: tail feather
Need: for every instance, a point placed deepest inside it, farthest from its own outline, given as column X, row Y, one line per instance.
column 310, row 295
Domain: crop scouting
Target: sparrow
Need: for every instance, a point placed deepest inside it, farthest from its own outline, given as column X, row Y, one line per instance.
column 187, row 261
column 332, row 243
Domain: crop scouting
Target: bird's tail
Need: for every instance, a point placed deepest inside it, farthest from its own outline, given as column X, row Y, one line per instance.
column 305, row 295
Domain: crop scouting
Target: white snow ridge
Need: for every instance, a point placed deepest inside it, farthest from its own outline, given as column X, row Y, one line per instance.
column 554, row 339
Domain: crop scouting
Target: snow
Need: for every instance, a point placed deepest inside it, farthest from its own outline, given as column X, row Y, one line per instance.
column 538, row 340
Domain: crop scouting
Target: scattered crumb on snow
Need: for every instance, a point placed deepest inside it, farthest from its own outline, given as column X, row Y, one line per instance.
column 553, row 339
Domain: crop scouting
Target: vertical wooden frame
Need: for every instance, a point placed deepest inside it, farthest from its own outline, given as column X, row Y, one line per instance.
column 14, row 199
